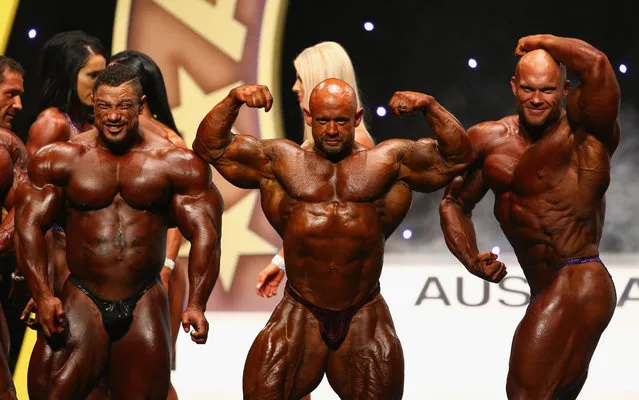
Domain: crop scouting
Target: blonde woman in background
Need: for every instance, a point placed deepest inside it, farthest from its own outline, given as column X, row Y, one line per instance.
column 317, row 63
column 313, row 65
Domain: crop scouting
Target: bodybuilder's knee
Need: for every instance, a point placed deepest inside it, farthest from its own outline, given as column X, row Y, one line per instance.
column 517, row 391
column 60, row 386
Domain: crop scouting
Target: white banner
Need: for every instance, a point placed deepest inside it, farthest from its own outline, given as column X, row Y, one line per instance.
column 455, row 329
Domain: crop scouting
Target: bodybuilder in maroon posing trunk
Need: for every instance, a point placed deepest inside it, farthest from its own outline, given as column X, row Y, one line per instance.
column 549, row 169
column 334, row 206
column 116, row 189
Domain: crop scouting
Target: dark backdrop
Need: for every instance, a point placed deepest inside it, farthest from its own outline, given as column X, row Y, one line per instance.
column 416, row 45
column 424, row 46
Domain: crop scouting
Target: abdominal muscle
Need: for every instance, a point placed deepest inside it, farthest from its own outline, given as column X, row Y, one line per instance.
column 544, row 236
column 334, row 252
column 114, row 253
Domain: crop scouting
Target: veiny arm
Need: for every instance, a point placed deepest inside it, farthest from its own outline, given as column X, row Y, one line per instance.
column 455, row 211
column 38, row 202
column 595, row 103
column 197, row 208
column 427, row 164
column 240, row 159
column 173, row 235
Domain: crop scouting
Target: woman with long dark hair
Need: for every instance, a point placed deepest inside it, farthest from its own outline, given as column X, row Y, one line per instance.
column 69, row 64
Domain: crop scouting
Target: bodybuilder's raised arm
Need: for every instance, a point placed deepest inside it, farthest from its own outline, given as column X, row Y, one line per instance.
column 241, row 159
column 595, row 103
column 427, row 164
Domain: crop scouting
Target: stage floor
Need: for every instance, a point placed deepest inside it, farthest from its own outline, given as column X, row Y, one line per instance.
column 452, row 350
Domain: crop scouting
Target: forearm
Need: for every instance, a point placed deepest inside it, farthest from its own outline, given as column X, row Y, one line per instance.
column 577, row 55
column 32, row 260
column 459, row 232
column 173, row 242
column 214, row 132
column 204, row 268
column 452, row 141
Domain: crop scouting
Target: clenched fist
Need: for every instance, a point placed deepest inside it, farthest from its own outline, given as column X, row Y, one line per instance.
column 406, row 102
column 529, row 43
column 51, row 316
column 255, row 96
column 192, row 317
column 488, row 268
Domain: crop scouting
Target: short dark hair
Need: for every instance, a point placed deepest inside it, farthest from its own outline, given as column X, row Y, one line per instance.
column 152, row 84
column 10, row 64
column 117, row 74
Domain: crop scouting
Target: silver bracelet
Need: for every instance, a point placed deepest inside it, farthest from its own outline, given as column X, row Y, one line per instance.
column 170, row 264
column 279, row 261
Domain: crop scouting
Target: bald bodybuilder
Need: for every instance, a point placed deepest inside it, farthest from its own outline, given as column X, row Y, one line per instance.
column 549, row 168
column 334, row 205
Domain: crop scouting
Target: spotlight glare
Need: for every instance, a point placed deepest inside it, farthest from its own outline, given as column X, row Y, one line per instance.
column 32, row 33
column 623, row 69
column 407, row 234
column 472, row 63
column 369, row 26
column 381, row 111
column 495, row 250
